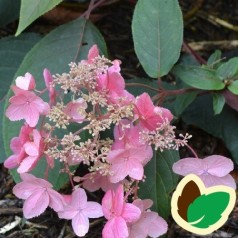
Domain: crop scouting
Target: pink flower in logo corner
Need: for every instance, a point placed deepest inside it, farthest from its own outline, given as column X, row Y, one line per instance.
column 128, row 155
column 80, row 210
column 213, row 170
column 26, row 83
column 150, row 116
column 38, row 194
column 149, row 224
column 26, row 105
column 76, row 110
column 118, row 213
column 48, row 82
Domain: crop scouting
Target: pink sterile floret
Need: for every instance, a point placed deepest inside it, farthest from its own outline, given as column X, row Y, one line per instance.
column 118, row 213
column 94, row 181
column 150, row 116
column 17, row 147
column 113, row 83
column 26, row 83
column 149, row 224
column 213, row 170
column 26, row 105
column 34, row 150
column 79, row 210
column 38, row 194
column 48, row 82
column 128, row 155
column 76, row 110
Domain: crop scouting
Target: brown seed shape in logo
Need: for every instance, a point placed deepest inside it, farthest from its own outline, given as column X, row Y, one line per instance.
column 189, row 194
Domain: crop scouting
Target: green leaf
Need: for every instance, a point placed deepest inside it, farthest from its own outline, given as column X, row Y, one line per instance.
column 207, row 210
column 228, row 70
column 157, row 29
column 160, row 181
column 183, row 101
column 55, row 51
column 218, row 103
column 9, row 11
column 214, row 58
column 31, row 10
column 12, row 50
column 223, row 126
column 233, row 87
column 197, row 77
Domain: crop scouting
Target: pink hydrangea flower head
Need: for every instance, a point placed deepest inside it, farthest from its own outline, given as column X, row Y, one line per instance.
column 118, row 213
column 26, row 105
column 213, row 170
column 48, row 82
column 76, row 110
column 149, row 115
column 26, row 83
column 38, row 194
column 94, row 181
column 149, row 223
column 80, row 210
column 34, row 150
column 17, row 147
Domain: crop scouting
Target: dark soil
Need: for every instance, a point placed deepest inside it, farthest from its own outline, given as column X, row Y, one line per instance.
column 114, row 21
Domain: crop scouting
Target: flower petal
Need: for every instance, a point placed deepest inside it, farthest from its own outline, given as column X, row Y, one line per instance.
column 36, row 204
column 80, row 224
column 131, row 212
column 218, row 165
column 93, row 210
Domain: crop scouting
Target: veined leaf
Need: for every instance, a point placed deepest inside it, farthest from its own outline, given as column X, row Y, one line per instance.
column 160, row 181
column 31, row 10
column 228, row 69
column 197, row 77
column 206, row 210
column 157, row 28
column 55, row 51
column 218, row 103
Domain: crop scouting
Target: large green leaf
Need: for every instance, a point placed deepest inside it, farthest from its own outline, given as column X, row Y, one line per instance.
column 12, row 50
column 207, row 210
column 198, row 77
column 9, row 11
column 160, row 181
column 31, row 10
column 223, row 126
column 228, row 69
column 157, row 29
column 55, row 51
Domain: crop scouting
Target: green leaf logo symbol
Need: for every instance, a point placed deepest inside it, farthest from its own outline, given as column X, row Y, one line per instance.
column 199, row 209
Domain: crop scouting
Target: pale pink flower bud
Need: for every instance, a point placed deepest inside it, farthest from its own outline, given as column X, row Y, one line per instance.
column 26, row 83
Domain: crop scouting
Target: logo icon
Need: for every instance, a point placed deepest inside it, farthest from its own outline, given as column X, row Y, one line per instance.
column 201, row 210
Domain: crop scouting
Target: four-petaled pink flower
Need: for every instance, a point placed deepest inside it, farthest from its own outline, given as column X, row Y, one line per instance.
column 150, row 116
column 94, row 181
column 17, row 147
column 79, row 210
column 118, row 213
column 149, row 224
column 213, row 170
column 129, row 154
column 38, row 194
column 76, row 110
column 34, row 150
column 26, row 83
column 26, row 105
